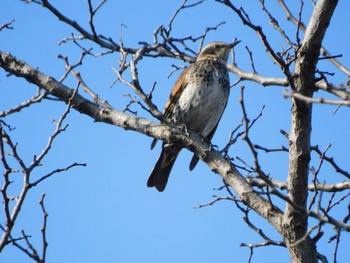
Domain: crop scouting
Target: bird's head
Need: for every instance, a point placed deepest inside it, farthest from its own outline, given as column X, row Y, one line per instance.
column 216, row 50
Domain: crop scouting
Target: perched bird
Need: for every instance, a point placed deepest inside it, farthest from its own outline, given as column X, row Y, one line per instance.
column 197, row 100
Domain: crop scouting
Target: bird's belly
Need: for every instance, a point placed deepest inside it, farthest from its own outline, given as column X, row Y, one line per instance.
column 200, row 107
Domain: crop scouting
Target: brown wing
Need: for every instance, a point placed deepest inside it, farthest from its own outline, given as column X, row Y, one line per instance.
column 174, row 97
column 176, row 93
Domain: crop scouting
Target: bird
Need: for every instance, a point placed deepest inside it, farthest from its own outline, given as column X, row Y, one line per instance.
column 197, row 101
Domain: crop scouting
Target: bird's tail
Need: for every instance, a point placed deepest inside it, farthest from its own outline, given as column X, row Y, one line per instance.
column 161, row 171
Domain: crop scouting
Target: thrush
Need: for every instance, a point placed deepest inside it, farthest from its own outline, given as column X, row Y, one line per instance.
column 197, row 101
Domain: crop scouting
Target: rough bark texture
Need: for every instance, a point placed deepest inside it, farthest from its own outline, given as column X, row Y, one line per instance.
column 295, row 225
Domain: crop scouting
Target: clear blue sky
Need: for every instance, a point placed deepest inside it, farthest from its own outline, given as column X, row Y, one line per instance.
column 104, row 212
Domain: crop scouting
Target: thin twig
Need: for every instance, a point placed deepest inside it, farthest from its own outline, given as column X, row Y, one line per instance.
column 315, row 100
column 38, row 97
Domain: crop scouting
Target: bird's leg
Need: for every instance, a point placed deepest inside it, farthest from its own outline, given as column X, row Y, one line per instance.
column 211, row 146
column 184, row 129
column 208, row 141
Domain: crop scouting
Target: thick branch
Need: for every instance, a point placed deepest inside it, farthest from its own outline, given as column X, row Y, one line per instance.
column 295, row 221
column 193, row 142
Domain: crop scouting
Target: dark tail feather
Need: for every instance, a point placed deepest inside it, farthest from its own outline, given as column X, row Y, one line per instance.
column 161, row 171
column 153, row 144
column 194, row 162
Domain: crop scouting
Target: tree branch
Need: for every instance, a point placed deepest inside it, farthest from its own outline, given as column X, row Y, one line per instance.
column 332, row 188
column 309, row 100
column 295, row 221
column 168, row 133
column 300, row 24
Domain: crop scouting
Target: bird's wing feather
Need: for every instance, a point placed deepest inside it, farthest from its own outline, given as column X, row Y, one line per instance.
column 173, row 98
column 176, row 93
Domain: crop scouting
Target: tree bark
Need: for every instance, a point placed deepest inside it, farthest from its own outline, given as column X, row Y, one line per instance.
column 300, row 245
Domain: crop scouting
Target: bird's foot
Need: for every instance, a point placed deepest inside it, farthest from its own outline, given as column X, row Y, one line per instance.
column 185, row 129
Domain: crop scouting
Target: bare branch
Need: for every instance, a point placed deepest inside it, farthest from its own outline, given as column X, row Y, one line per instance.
column 332, row 188
column 251, row 60
column 92, row 14
column 275, row 24
column 91, row 36
column 217, row 198
column 264, row 244
column 315, row 100
column 246, row 21
column 256, row 193
column 70, row 69
column 29, row 249
column 38, row 97
column 160, row 131
column 12, row 213
column 135, row 84
column 341, row 92
column 43, row 229
column 56, row 171
column 182, row 7
column 265, row 81
column 300, row 25
column 7, row 25
column 331, row 161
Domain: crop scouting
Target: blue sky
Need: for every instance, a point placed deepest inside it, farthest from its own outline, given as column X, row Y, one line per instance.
column 104, row 212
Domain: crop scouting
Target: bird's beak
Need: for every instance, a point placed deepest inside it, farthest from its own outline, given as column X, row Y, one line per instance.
column 234, row 43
